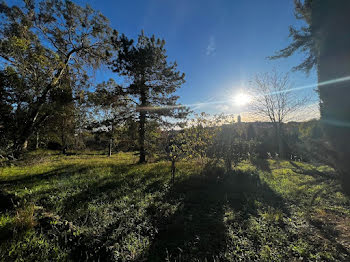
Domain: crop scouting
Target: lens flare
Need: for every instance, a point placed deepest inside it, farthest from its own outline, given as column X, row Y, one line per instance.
column 241, row 99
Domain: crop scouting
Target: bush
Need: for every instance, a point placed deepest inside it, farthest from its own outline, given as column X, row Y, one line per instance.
column 230, row 147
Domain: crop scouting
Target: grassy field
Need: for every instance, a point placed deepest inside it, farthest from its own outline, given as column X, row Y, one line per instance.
column 91, row 207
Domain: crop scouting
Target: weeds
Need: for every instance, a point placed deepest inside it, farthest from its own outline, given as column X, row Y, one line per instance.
column 24, row 218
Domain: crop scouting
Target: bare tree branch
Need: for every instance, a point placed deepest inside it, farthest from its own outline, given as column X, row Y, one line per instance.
column 274, row 98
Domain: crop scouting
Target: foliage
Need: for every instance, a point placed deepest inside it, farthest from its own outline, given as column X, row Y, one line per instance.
column 109, row 111
column 230, row 146
column 45, row 45
column 199, row 135
column 303, row 39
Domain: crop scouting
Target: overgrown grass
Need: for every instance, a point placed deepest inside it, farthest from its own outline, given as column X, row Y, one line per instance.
column 90, row 207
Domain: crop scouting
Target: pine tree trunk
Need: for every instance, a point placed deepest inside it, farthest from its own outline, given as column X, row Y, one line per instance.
column 63, row 140
column 142, row 137
column 228, row 164
column 330, row 24
column 110, row 146
column 142, row 123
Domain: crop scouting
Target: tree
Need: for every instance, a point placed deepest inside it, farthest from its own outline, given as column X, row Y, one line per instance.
column 81, row 118
column 326, row 40
column 274, row 100
column 200, row 132
column 302, row 39
column 229, row 145
column 110, row 109
column 8, row 115
column 41, row 45
column 251, row 134
column 153, row 81
column 61, row 120
column 174, row 146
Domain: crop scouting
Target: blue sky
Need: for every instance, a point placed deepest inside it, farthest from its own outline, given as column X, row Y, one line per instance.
column 219, row 44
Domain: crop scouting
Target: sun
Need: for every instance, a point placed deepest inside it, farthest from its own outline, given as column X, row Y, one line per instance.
column 241, row 99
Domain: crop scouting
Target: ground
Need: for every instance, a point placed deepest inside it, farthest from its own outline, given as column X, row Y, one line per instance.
column 89, row 207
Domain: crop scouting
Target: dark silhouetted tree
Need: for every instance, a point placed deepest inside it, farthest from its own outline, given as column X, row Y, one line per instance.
column 251, row 134
column 326, row 41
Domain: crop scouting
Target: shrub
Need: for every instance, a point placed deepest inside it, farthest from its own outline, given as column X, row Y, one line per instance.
column 230, row 147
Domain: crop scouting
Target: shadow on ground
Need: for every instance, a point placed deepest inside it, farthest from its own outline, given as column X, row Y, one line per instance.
column 197, row 230
column 261, row 163
column 130, row 201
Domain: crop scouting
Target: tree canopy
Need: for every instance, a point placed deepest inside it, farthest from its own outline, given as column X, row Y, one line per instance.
column 43, row 44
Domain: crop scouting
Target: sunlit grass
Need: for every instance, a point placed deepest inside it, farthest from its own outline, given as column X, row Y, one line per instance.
column 260, row 211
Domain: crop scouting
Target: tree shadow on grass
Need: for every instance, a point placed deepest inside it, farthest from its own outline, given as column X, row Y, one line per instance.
column 197, row 231
column 29, row 180
column 328, row 231
column 125, row 179
column 64, row 178
column 314, row 172
column 326, row 227
column 106, row 195
column 261, row 163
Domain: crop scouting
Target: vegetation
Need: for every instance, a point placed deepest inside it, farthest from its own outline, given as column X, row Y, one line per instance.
column 119, row 170
column 275, row 101
column 45, row 47
column 154, row 81
column 91, row 206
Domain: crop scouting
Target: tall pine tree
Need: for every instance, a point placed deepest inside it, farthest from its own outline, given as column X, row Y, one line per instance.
column 153, row 81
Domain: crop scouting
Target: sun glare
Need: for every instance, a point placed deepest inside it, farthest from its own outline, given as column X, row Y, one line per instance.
column 241, row 99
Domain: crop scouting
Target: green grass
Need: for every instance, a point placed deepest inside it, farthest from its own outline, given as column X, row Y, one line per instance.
column 90, row 207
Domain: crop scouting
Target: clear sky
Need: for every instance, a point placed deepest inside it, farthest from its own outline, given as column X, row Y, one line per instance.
column 218, row 44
